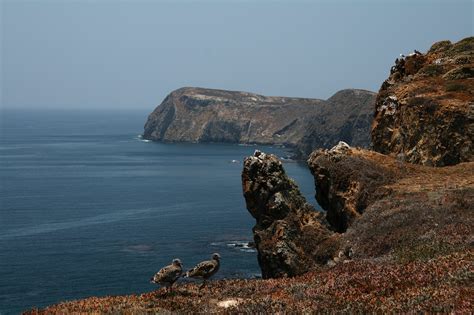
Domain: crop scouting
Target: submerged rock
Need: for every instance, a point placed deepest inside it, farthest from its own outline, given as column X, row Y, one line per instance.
column 290, row 235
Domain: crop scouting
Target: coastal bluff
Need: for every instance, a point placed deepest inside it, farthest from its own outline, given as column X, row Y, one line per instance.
column 207, row 115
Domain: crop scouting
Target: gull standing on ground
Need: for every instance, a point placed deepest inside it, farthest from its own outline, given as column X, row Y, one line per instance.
column 168, row 275
column 206, row 269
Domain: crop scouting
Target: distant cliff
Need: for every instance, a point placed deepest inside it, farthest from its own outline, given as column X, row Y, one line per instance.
column 346, row 116
column 208, row 115
column 424, row 111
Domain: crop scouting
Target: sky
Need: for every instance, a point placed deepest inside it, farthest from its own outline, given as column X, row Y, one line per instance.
column 87, row 54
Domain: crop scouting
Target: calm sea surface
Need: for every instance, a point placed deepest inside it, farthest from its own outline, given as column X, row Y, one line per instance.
column 88, row 208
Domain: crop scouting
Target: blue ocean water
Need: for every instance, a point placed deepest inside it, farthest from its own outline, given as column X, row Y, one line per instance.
column 88, row 208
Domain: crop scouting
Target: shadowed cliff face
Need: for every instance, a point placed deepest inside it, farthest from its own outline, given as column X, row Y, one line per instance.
column 347, row 183
column 207, row 115
column 424, row 112
column 290, row 235
column 347, row 117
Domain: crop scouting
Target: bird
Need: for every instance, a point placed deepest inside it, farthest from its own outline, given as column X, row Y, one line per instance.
column 168, row 275
column 206, row 269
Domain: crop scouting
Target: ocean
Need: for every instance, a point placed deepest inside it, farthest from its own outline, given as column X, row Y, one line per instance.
column 88, row 208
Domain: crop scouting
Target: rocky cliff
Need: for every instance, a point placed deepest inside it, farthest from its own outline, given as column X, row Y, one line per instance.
column 207, row 115
column 378, row 206
column 424, row 112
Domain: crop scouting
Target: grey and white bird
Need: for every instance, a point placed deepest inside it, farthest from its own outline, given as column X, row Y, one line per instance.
column 206, row 269
column 168, row 275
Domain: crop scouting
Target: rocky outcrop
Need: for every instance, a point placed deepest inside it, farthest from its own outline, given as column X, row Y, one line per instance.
column 376, row 207
column 399, row 211
column 424, row 112
column 290, row 235
column 207, row 115
column 346, row 183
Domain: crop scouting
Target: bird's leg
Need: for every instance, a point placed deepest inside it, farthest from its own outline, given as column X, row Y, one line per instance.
column 202, row 285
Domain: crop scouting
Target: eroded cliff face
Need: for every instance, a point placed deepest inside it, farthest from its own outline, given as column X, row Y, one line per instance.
column 207, row 115
column 424, row 112
column 290, row 235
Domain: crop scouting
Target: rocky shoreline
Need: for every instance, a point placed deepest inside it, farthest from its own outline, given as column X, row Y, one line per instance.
column 396, row 234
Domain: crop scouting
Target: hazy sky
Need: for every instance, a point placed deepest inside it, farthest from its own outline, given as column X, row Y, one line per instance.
column 130, row 54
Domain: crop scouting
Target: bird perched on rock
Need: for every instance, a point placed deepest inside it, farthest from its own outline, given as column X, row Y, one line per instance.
column 168, row 275
column 206, row 269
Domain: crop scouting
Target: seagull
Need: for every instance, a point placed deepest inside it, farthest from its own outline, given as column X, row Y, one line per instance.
column 206, row 269
column 169, row 274
column 402, row 55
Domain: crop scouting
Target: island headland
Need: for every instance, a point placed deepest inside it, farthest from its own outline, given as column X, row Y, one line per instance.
column 207, row 115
